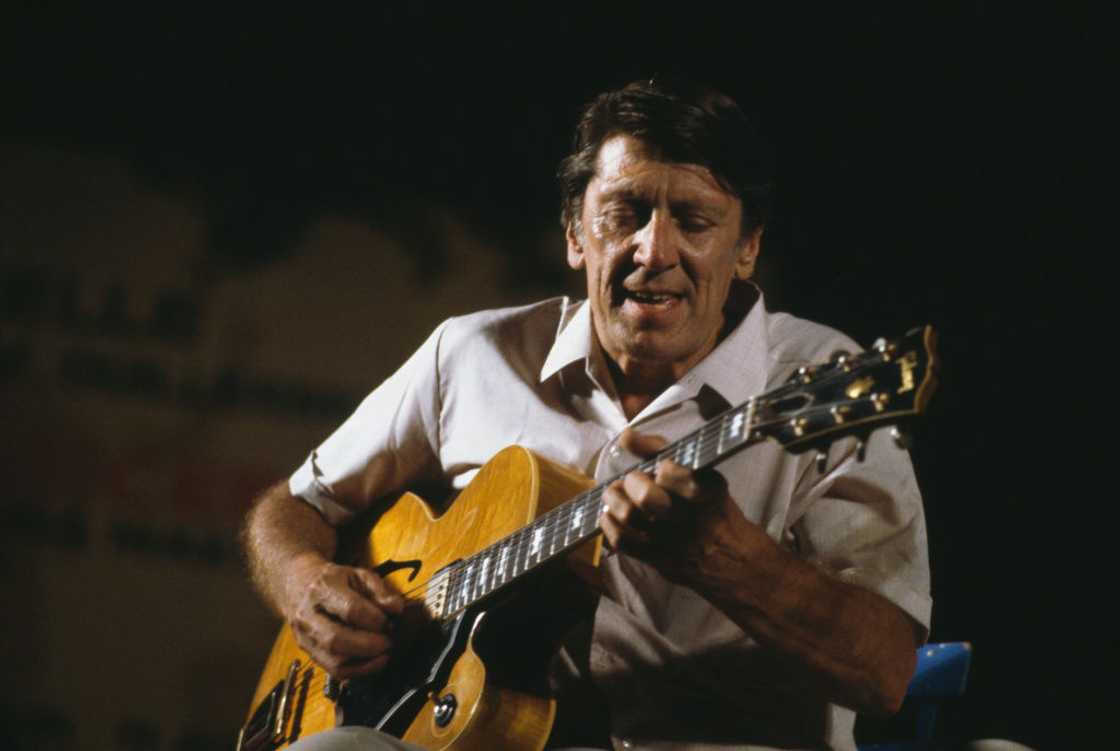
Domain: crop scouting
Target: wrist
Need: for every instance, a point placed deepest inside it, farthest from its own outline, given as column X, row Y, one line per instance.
column 300, row 572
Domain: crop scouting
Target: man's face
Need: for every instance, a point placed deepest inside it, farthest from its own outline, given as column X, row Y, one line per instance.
column 661, row 243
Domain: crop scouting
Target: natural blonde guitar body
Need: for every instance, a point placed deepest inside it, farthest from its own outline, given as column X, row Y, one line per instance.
column 510, row 491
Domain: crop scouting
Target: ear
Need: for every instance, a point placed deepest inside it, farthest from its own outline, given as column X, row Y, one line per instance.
column 748, row 254
column 575, row 248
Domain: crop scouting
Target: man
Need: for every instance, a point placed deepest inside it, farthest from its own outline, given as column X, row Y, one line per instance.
column 754, row 605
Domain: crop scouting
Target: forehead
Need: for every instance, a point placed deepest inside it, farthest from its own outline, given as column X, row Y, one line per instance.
column 625, row 164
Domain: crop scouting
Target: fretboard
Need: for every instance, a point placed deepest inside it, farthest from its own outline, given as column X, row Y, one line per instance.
column 557, row 531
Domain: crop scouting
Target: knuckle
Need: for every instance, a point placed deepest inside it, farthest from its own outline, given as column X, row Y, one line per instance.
column 631, row 515
column 332, row 643
column 374, row 582
column 380, row 644
column 351, row 610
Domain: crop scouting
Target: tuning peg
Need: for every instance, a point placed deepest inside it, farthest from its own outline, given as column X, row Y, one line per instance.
column 883, row 346
column 861, row 450
column 822, row 462
column 901, row 439
column 840, row 359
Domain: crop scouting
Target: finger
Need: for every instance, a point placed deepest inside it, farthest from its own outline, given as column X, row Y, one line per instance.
column 650, row 498
column 642, row 445
column 348, row 604
column 677, row 480
column 618, row 505
column 626, row 520
column 332, row 643
column 622, row 537
column 348, row 643
column 377, row 588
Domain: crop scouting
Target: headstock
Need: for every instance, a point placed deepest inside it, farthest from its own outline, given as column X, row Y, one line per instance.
column 852, row 394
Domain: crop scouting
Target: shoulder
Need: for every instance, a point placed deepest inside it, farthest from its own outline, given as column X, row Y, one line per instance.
column 524, row 331
column 794, row 341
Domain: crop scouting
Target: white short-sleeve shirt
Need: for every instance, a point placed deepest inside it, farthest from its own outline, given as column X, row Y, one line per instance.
column 676, row 673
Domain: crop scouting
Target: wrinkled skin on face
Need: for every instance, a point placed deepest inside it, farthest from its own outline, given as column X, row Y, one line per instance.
column 661, row 243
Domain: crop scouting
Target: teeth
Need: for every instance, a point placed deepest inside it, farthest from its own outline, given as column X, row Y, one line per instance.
column 649, row 298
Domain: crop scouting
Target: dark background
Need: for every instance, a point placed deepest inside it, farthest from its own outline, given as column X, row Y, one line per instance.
column 932, row 167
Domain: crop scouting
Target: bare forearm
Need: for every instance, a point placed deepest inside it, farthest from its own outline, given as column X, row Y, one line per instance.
column 283, row 536
column 856, row 647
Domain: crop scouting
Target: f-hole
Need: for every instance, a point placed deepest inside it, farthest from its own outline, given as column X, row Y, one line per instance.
column 390, row 566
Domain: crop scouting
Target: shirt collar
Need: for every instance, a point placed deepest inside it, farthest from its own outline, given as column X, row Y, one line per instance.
column 573, row 339
column 736, row 368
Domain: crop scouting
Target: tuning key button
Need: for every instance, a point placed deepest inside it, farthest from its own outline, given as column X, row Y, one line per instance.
column 901, row 439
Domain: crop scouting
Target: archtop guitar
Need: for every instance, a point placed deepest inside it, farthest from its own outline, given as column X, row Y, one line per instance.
column 470, row 674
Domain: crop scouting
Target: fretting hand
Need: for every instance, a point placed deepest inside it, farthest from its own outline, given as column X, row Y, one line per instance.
column 678, row 520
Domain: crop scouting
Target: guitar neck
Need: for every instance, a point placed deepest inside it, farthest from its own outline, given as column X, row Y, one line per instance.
column 556, row 532
column 849, row 395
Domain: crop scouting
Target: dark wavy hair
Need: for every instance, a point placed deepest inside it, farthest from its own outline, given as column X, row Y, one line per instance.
column 680, row 121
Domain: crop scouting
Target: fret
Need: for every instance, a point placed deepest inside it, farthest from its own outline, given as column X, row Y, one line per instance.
column 503, row 561
column 468, row 583
column 523, row 550
column 453, row 587
column 536, row 542
column 515, row 567
column 731, row 435
column 551, row 527
column 592, row 511
column 575, row 527
column 483, row 575
column 686, row 454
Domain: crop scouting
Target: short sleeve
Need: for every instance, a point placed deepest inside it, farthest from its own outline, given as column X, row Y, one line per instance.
column 390, row 442
column 863, row 521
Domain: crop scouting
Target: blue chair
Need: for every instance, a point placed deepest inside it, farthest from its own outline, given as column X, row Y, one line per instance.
column 941, row 674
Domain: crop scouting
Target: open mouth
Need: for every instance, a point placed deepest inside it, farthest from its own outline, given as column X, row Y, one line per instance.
column 643, row 297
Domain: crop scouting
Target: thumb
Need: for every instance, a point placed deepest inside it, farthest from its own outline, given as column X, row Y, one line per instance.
column 641, row 445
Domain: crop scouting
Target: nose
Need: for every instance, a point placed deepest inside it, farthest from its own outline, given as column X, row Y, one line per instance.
column 656, row 243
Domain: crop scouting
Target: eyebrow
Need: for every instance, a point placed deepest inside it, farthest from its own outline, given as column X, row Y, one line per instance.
column 627, row 188
column 627, row 194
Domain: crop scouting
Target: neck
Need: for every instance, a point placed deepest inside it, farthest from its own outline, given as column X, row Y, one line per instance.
column 638, row 386
column 638, row 382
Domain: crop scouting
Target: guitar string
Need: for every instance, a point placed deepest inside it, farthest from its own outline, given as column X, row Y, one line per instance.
column 519, row 540
column 548, row 524
column 554, row 532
